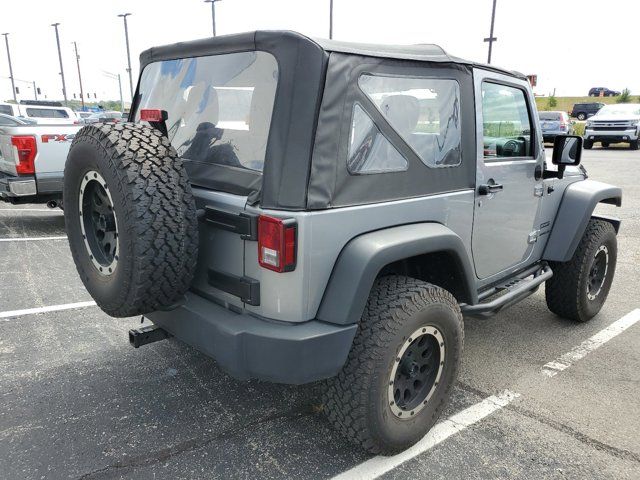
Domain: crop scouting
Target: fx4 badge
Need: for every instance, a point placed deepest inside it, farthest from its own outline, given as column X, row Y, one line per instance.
column 57, row 137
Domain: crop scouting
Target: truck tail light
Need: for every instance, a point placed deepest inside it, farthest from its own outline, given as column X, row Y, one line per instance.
column 277, row 240
column 25, row 150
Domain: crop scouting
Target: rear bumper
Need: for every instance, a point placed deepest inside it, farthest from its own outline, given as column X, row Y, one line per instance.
column 12, row 187
column 251, row 347
column 31, row 189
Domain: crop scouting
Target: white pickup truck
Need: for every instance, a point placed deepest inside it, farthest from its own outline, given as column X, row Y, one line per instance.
column 32, row 159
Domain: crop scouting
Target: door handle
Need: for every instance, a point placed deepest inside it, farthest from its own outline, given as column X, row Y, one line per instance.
column 490, row 188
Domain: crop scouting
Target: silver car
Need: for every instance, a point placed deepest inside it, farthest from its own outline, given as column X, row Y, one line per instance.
column 553, row 124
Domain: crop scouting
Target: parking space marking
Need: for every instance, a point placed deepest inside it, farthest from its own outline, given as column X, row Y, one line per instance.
column 31, row 239
column 556, row 366
column 50, row 210
column 377, row 466
column 50, row 308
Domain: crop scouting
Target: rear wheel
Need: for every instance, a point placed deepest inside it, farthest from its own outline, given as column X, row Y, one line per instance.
column 402, row 365
column 130, row 218
column 579, row 287
column 582, row 116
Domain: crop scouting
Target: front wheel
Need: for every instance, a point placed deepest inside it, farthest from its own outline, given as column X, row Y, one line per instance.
column 401, row 368
column 604, row 144
column 579, row 287
column 587, row 144
column 634, row 145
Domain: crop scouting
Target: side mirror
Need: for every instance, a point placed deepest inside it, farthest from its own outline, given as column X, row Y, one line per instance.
column 567, row 151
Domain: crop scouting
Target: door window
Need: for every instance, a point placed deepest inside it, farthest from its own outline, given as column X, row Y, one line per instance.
column 506, row 123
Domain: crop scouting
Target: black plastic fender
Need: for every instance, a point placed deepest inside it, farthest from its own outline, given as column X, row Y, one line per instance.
column 576, row 208
column 364, row 257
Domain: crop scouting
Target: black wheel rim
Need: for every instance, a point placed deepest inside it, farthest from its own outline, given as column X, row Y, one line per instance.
column 598, row 272
column 98, row 222
column 416, row 372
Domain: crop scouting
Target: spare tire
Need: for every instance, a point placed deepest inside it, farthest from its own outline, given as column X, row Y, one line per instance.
column 130, row 218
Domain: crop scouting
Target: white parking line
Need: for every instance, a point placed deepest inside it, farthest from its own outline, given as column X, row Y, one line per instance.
column 51, row 308
column 31, row 239
column 603, row 336
column 29, row 210
column 377, row 466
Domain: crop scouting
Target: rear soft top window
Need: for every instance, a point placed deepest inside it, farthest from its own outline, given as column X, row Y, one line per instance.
column 46, row 113
column 550, row 116
column 219, row 112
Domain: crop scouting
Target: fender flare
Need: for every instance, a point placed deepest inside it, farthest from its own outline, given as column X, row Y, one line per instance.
column 363, row 257
column 576, row 208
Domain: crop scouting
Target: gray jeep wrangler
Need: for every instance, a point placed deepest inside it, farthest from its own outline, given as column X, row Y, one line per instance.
column 306, row 210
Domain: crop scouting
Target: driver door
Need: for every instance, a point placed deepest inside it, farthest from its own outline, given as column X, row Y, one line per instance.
column 508, row 177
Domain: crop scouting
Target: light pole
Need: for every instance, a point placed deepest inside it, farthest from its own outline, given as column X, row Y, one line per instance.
column 75, row 46
column 213, row 14
column 491, row 38
column 330, row 19
column 64, row 87
column 13, row 84
column 126, row 37
column 114, row 77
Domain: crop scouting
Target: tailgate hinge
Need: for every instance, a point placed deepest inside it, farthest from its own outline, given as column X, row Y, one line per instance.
column 243, row 223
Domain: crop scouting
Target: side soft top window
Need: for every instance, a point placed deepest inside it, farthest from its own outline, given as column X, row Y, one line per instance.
column 425, row 112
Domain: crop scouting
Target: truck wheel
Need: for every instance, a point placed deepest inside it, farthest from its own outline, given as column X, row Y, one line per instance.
column 130, row 218
column 582, row 116
column 402, row 365
column 634, row 145
column 587, row 144
column 579, row 287
column 604, row 144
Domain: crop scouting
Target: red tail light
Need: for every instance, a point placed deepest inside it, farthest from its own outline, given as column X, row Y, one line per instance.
column 277, row 240
column 26, row 149
column 152, row 115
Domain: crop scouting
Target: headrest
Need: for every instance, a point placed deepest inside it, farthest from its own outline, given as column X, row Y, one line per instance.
column 402, row 112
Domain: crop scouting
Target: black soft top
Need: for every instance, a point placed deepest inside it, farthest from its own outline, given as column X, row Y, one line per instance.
column 304, row 163
column 265, row 40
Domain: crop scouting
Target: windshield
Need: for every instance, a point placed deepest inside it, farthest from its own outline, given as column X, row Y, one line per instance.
column 623, row 109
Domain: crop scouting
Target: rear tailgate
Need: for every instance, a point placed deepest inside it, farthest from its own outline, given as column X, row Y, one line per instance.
column 52, row 143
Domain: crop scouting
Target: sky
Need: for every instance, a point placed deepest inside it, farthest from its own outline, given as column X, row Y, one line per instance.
column 567, row 43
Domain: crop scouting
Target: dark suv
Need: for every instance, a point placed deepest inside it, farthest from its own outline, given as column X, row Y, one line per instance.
column 582, row 111
column 596, row 91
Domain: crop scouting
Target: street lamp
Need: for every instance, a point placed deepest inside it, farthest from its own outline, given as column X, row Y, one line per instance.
column 330, row 19
column 64, row 87
column 13, row 85
column 75, row 45
column 126, row 37
column 491, row 38
column 116, row 76
column 213, row 14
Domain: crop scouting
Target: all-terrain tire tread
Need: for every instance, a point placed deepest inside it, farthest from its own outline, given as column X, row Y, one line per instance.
column 392, row 299
column 562, row 291
column 160, row 214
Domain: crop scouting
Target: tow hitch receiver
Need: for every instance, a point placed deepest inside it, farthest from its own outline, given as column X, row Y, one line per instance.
column 148, row 334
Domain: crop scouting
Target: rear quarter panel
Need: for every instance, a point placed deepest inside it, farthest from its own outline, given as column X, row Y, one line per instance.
column 296, row 296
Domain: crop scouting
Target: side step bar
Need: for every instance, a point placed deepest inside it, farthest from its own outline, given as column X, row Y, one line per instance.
column 148, row 334
column 516, row 290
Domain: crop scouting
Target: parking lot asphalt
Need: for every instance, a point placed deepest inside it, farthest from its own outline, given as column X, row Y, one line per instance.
column 76, row 401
